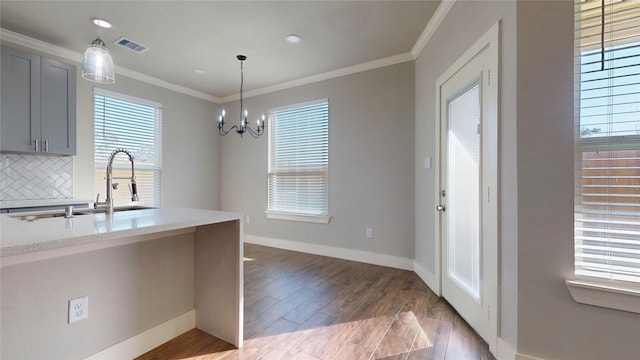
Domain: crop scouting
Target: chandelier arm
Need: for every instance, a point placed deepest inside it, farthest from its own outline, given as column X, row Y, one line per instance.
column 254, row 134
column 223, row 132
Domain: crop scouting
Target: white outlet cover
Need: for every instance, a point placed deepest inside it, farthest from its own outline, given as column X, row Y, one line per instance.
column 78, row 309
column 369, row 233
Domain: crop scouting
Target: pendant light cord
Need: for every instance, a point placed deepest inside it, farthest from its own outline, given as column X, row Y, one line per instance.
column 241, row 86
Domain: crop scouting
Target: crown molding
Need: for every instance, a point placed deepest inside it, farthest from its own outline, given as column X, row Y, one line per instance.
column 11, row 37
column 165, row 84
column 434, row 22
column 38, row 45
column 370, row 65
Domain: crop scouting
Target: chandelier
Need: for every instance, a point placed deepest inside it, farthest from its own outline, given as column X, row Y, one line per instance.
column 244, row 123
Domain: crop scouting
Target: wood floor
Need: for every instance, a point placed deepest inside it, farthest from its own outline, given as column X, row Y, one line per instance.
column 307, row 307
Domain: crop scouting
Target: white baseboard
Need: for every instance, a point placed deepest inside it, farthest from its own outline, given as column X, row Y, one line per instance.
column 505, row 351
column 150, row 339
column 521, row 356
column 334, row 252
column 428, row 277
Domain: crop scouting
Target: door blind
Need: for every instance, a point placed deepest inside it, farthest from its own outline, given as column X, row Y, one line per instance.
column 607, row 146
column 299, row 159
column 133, row 124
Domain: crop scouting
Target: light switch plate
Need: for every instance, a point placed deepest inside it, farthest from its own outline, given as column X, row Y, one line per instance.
column 427, row 162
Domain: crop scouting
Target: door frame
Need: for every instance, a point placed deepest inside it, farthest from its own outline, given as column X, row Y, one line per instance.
column 488, row 42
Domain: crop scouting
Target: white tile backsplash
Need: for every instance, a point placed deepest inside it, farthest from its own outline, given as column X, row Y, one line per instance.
column 35, row 177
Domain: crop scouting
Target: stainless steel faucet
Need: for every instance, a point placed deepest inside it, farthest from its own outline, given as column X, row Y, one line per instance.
column 107, row 205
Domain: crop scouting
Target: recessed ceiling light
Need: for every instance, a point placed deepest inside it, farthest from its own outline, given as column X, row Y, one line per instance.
column 101, row 23
column 293, row 39
column 199, row 71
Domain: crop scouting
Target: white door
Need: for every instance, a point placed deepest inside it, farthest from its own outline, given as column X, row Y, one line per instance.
column 468, row 202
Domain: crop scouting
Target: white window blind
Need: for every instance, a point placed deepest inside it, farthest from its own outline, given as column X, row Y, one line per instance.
column 607, row 161
column 122, row 121
column 299, row 159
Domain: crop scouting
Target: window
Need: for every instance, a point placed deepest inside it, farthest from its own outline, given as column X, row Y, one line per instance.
column 122, row 121
column 607, row 141
column 299, row 162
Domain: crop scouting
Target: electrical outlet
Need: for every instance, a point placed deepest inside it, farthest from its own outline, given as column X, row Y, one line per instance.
column 247, row 219
column 78, row 309
column 369, row 233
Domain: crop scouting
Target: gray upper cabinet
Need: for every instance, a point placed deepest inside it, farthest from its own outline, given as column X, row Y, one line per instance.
column 38, row 113
column 58, row 107
column 20, row 98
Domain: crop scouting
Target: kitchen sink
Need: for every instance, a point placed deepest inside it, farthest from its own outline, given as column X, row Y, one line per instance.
column 48, row 215
column 116, row 209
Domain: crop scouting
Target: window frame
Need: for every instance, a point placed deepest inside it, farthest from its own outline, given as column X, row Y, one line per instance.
column 155, row 170
column 293, row 216
column 589, row 286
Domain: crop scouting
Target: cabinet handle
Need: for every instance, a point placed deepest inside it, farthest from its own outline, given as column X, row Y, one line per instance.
column 46, row 146
column 37, row 147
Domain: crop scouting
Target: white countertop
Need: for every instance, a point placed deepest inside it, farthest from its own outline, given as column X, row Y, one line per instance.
column 10, row 204
column 19, row 237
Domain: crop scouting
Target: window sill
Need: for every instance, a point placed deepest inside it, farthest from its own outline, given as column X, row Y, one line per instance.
column 318, row 219
column 609, row 294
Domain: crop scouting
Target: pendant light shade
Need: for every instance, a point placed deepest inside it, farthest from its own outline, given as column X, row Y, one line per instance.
column 97, row 65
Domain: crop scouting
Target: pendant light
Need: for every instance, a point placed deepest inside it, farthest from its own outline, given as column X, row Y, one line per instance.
column 97, row 64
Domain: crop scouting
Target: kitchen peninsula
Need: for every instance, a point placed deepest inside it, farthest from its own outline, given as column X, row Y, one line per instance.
column 149, row 274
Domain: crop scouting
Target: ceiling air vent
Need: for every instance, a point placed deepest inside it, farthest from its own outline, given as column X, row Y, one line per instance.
column 131, row 45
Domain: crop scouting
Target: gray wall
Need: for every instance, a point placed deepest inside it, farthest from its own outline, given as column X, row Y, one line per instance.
column 448, row 43
column 370, row 163
column 376, row 159
column 550, row 324
column 189, row 144
column 131, row 288
column 538, row 315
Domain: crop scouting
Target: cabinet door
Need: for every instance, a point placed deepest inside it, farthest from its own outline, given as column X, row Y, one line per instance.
column 20, row 96
column 58, row 107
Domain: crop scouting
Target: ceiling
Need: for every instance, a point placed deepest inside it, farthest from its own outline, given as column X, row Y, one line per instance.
column 184, row 35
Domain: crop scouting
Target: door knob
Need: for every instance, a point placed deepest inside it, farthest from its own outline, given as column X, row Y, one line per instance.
column 440, row 208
